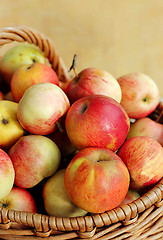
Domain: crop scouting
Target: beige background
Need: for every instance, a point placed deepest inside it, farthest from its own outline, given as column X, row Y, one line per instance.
column 119, row 36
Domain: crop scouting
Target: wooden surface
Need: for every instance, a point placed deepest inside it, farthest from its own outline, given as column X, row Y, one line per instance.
column 120, row 36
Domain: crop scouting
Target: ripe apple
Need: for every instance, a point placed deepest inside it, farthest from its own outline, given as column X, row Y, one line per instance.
column 56, row 200
column 17, row 56
column 41, row 106
column 30, row 74
column 96, row 179
column 143, row 157
column 7, row 174
column 146, row 127
column 92, row 81
column 140, row 94
column 97, row 121
column 34, row 158
column 10, row 128
column 19, row 199
column 130, row 197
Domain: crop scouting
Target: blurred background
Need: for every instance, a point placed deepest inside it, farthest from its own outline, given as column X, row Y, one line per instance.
column 119, row 36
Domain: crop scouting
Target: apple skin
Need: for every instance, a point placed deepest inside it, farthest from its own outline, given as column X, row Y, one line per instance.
column 146, row 127
column 19, row 199
column 92, row 81
column 143, row 157
column 10, row 128
column 34, row 158
column 40, row 108
column 17, row 56
column 130, row 197
column 7, row 174
column 30, row 74
column 56, row 200
column 96, row 180
column 97, row 121
column 140, row 94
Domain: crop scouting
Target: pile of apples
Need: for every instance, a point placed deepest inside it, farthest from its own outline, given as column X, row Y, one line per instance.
column 83, row 147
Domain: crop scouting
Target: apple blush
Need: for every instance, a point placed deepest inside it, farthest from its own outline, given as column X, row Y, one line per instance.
column 97, row 121
column 96, row 180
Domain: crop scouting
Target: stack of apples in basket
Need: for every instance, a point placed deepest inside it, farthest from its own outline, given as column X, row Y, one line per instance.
column 83, row 147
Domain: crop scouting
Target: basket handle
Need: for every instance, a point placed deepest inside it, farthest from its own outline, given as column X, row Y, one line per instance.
column 32, row 36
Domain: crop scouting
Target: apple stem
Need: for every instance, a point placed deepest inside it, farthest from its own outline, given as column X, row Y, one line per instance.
column 73, row 66
column 159, row 116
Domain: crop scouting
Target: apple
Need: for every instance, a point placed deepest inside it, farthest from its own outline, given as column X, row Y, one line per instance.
column 56, row 200
column 146, row 127
column 143, row 157
column 1, row 96
column 97, row 121
column 130, row 197
column 41, row 107
column 19, row 199
column 96, row 179
column 30, row 74
column 17, row 56
column 92, row 81
column 7, row 174
column 10, row 128
column 34, row 158
column 140, row 94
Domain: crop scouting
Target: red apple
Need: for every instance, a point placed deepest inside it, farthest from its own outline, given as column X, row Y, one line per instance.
column 97, row 121
column 143, row 157
column 96, row 180
column 41, row 106
column 30, row 74
column 140, row 94
column 7, row 174
column 146, row 127
column 34, row 158
column 19, row 199
column 92, row 81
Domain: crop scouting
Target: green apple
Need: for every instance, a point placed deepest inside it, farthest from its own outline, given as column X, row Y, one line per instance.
column 17, row 56
column 56, row 200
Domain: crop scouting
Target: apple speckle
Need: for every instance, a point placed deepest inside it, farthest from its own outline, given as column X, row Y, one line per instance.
column 4, row 121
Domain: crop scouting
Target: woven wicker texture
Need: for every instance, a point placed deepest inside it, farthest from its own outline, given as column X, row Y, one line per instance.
column 141, row 219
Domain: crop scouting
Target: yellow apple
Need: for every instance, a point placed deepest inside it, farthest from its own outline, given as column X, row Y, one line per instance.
column 56, row 200
column 10, row 128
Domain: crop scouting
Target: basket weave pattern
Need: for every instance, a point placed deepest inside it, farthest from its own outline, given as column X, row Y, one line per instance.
column 141, row 219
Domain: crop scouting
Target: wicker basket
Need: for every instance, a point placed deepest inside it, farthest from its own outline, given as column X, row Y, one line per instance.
column 141, row 219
